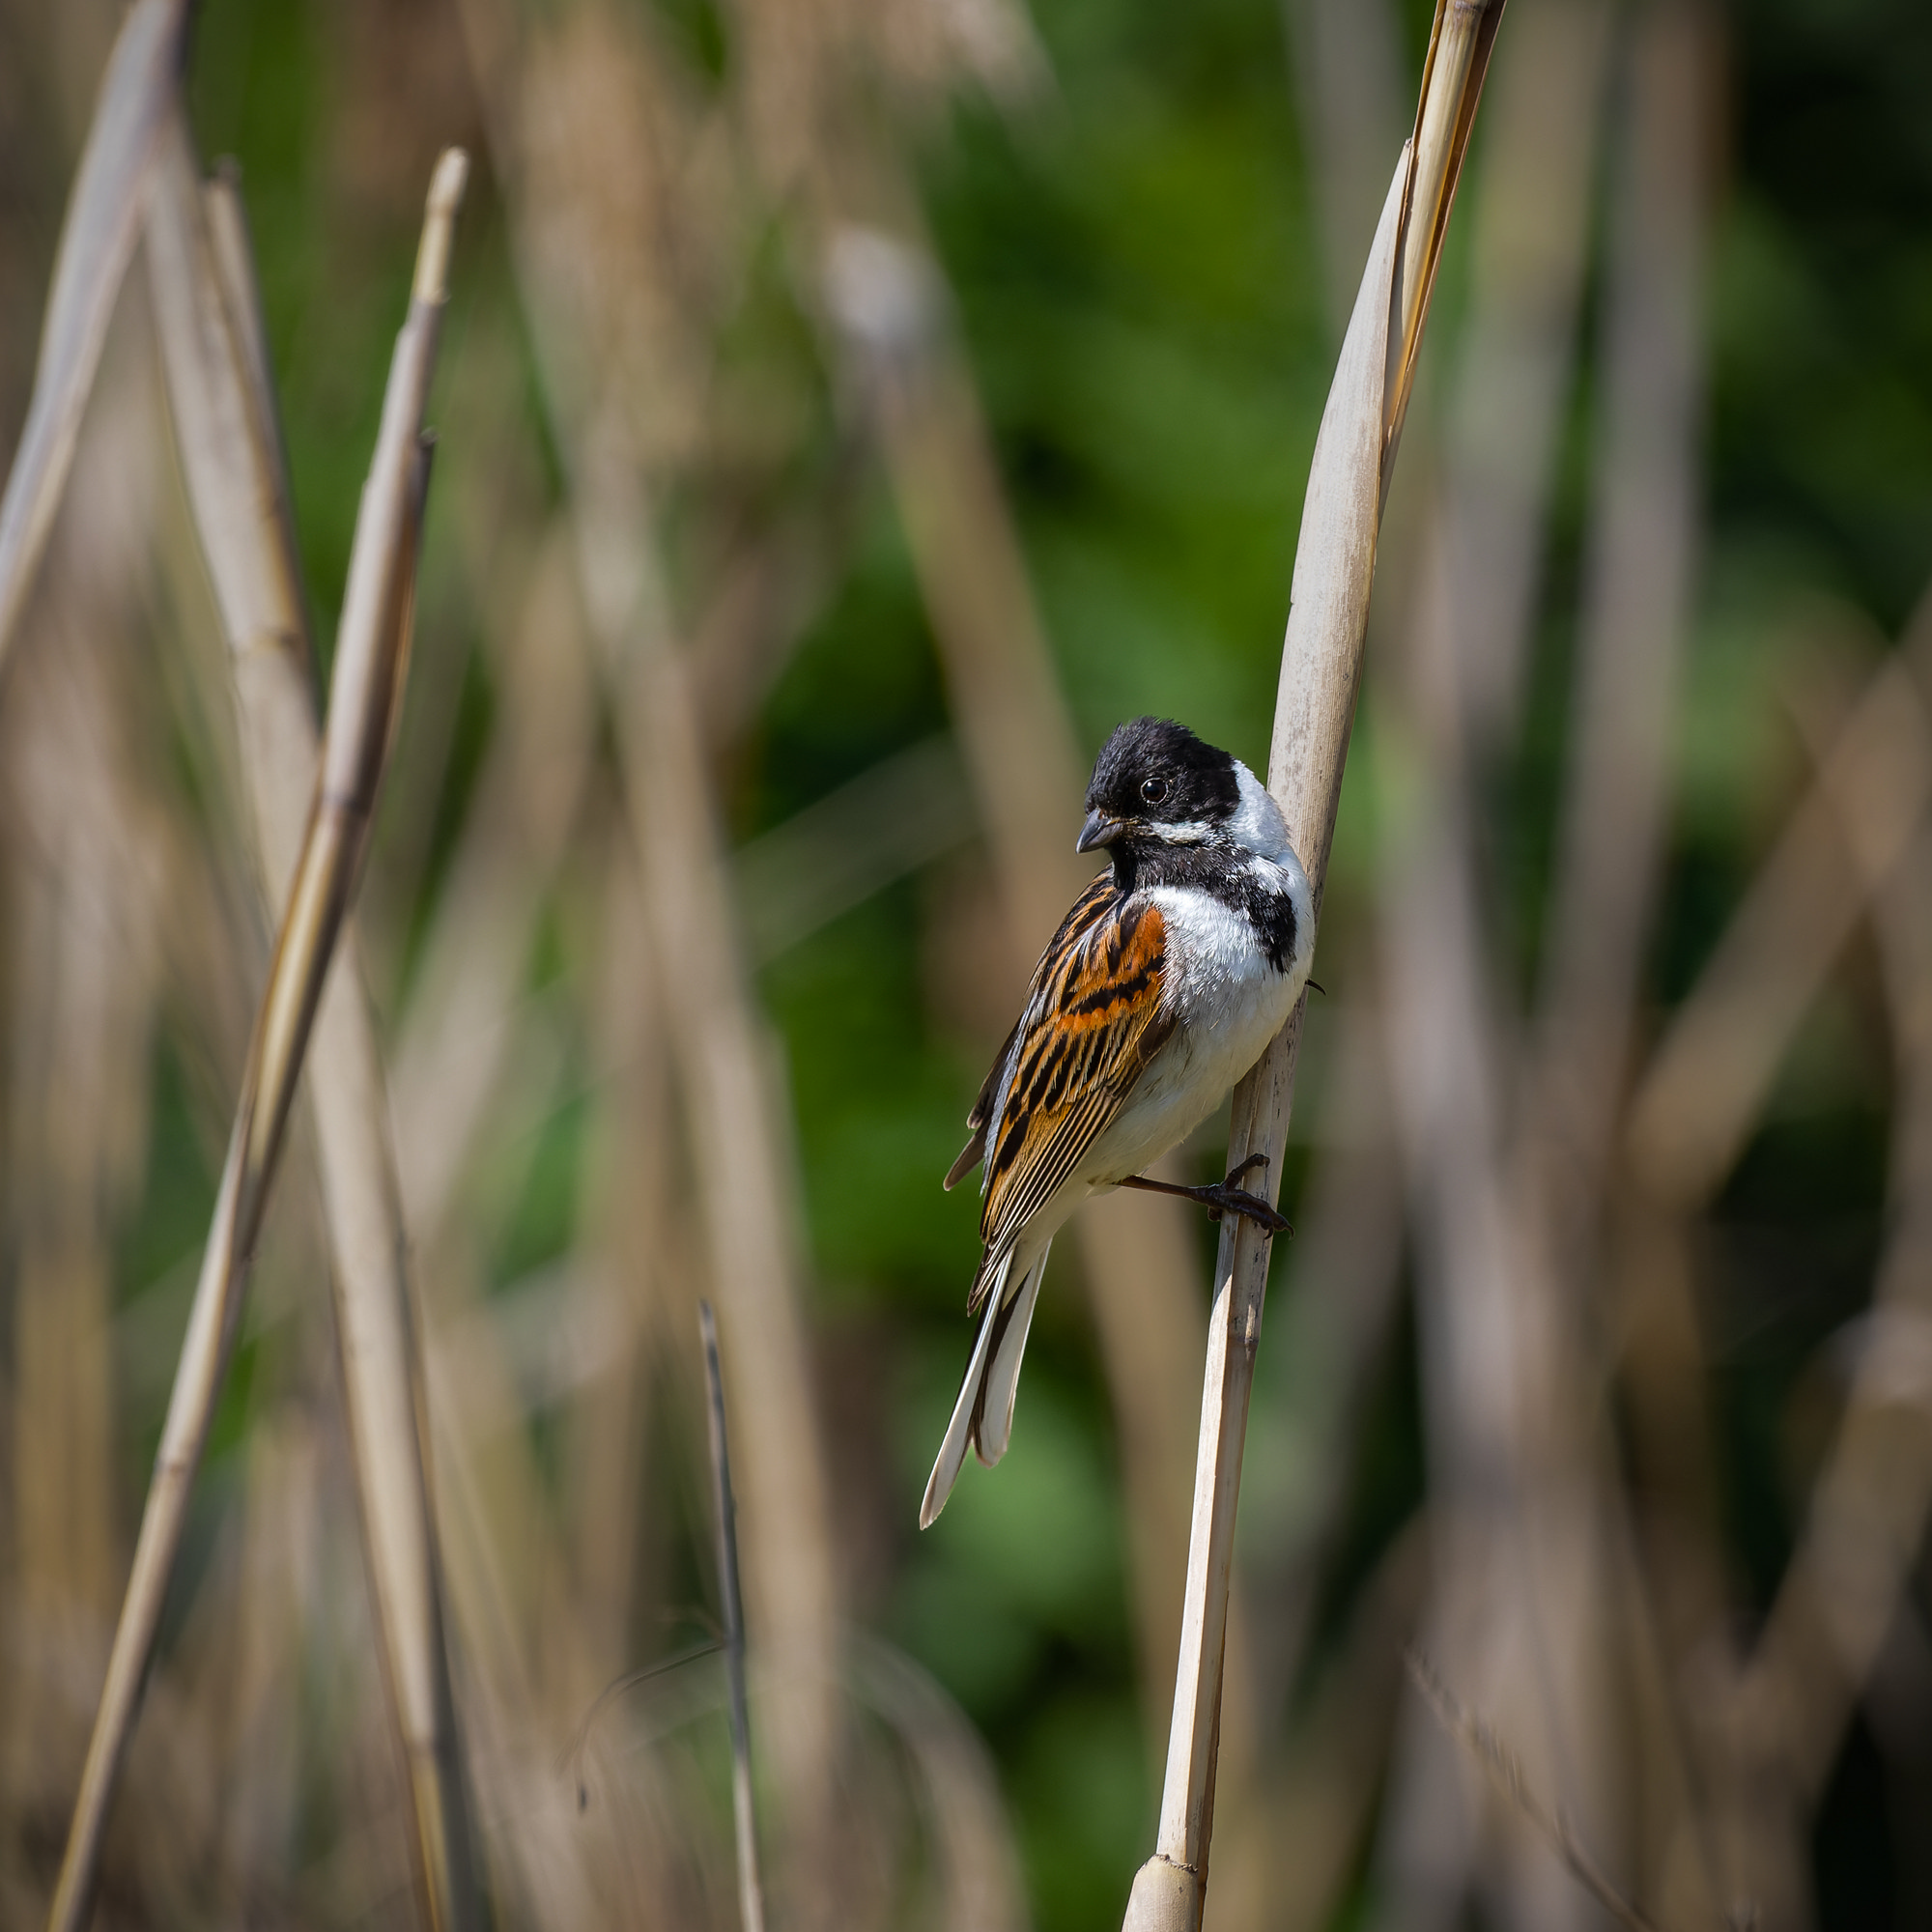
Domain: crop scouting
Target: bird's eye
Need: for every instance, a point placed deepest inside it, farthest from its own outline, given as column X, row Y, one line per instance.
column 1153, row 790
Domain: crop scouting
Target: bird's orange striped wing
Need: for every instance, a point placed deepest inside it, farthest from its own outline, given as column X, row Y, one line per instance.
column 1091, row 1025
column 1093, row 906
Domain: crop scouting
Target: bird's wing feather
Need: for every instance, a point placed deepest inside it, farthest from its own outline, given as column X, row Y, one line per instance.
column 1090, row 906
column 1092, row 1022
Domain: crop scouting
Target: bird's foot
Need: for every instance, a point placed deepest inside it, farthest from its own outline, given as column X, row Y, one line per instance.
column 1223, row 1197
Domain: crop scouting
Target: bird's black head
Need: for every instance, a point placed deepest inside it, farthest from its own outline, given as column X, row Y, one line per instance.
column 1153, row 783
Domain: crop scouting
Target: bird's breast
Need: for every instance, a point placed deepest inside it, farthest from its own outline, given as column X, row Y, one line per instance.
column 1226, row 999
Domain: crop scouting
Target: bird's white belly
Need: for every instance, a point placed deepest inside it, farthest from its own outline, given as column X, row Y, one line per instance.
column 1229, row 1003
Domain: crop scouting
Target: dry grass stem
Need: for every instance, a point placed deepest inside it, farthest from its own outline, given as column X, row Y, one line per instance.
column 459, row 1030
column 1505, row 1181
column 1529, row 254
column 1506, row 1773
column 978, row 1865
column 744, row 1818
column 620, row 436
column 1460, row 38
column 208, row 310
column 103, row 222
column 1849, row 1579
column 1350, row 90
column 371, row 658
column 90, row 845
column 1321, row 661
column 1708, row 1078
column 1638, row 582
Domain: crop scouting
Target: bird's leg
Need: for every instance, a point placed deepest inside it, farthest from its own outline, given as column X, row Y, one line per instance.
column 1223, row 1197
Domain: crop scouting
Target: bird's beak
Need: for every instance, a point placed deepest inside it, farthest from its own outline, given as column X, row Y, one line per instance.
column 1099, row 830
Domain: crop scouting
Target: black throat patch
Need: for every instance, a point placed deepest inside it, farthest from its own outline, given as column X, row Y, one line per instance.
column 1223, row 872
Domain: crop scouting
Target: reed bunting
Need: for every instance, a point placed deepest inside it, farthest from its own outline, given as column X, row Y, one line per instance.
column 1174, row 969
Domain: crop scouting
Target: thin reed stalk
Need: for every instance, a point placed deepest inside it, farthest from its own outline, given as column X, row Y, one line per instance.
column 1529, row 1551
column 1321, row 672
column 103, row 222
column 456, row 1035
column 89, row 845
column 1505, row 1770
column 744, row 1818
column 614, row 413
column 371, row 662
column 208, row 314
column 1708, row 1078
column 1776, row 1729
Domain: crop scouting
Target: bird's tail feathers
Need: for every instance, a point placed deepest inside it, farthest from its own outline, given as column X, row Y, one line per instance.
column 993, row 1418
column 982, row 1417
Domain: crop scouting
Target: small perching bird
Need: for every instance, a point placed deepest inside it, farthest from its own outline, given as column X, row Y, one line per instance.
column 1162, row 988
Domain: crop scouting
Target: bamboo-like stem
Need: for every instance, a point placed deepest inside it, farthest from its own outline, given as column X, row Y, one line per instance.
column 371, row 661
column 744, row 1819
column 1321, row 672
column 103, row 221
column 208, row 314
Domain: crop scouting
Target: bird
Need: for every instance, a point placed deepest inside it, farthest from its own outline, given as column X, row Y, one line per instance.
column 1162, row 987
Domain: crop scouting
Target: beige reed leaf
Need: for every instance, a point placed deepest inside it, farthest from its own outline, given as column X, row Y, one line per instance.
column 104, row 220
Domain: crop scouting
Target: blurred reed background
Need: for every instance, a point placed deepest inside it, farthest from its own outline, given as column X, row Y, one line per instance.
column 849, row 412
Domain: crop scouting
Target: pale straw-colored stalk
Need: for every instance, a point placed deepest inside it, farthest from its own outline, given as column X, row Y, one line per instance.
column 1529, row 1605
column 744, row 1814
column 1321, row 672
column 207, row 316
column 608, row 411
column 371, row 659
column 1849, row 1579
column 1513, row 1783
column 1709, row 1077
column 1771, row 1722
column 89, row 847
column 103, row 222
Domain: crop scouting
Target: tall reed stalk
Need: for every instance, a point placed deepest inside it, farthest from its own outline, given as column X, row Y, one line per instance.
column 1321, row 674
column 371, row 661
column 103, row 224
column 207, row 315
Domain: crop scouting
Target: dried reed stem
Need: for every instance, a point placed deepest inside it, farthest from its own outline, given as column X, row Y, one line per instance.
column 1851, row 1573
column 744, row 1820
column 1321, row 672
column 207, row 313
column 747, row 1188
column 1707, row 1080
column 103, row 220
column 1504, row 1209
column 86, row 927
column 1506, row 1773
column 371, row 661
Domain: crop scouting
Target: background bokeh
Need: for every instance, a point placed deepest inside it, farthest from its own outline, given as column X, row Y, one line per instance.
column 820, row 318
